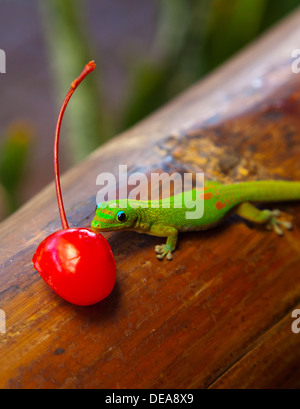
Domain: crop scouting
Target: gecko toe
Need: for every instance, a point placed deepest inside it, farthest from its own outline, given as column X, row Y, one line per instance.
column 159, row 249
column 160, row 256
column 276, row 212
column 287, row 225
column 169, row 256
column 276, row 228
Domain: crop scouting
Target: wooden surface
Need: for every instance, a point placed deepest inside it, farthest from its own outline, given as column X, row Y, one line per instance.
column 219, row 314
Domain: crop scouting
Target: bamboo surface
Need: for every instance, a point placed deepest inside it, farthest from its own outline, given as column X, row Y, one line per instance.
column 219, row 314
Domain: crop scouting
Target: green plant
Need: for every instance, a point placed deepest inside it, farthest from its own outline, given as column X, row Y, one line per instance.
column 14, row 150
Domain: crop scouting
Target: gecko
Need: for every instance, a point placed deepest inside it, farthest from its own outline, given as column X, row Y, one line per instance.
column 220, row 201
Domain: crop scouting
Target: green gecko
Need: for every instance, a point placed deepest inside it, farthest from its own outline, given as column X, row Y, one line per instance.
column 219, row 201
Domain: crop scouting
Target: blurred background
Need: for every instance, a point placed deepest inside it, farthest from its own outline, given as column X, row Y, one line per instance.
column 147, row 51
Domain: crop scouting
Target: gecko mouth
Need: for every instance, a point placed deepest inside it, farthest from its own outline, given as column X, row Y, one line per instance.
column 97, row 226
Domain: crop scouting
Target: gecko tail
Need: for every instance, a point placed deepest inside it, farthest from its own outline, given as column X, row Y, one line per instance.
column 270, row 191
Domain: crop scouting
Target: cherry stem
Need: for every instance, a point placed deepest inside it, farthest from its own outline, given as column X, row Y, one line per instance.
column 86, row 71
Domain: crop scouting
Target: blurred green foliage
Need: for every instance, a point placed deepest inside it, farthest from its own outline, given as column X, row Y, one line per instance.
column 192, row 37
column 70, row 49
column 14, row 150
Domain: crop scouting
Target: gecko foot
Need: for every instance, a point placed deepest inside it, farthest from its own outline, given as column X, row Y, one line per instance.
column 163, row 251
column 275, row 224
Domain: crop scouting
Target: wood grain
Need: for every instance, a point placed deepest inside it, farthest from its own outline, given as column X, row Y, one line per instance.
column 219, row 314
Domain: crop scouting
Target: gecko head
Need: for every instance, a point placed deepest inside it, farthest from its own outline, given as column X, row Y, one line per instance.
column 114, row 216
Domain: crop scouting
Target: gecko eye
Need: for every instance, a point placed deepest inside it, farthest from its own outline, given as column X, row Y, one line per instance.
column 121, row 216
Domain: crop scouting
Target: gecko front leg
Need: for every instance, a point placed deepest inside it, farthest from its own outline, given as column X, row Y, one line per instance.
column 165, row 250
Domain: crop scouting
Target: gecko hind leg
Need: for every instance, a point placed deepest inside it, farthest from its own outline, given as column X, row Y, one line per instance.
column 267, row 217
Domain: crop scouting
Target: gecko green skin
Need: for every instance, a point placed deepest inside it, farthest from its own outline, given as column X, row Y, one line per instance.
column 219, row 201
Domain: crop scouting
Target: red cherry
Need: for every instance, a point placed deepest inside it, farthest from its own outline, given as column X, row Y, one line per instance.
column 77, row 264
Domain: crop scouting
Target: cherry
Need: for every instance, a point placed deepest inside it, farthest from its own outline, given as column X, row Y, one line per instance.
column 77, row 264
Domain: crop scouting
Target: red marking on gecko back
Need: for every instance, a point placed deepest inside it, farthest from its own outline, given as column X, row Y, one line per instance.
column 206, row 196
column 220, row 205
